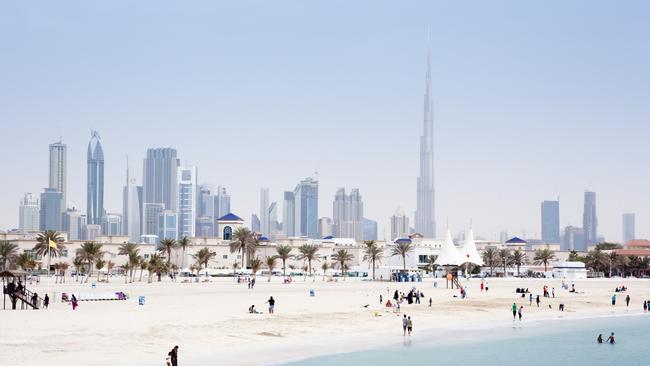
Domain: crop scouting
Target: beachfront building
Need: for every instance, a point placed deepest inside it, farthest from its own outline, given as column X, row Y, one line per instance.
column 29, row 213
column 227, row 225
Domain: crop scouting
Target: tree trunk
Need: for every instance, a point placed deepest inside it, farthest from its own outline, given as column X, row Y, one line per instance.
column 284, row 267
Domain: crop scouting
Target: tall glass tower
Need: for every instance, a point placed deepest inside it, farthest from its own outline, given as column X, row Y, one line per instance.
column 306, row 208
column 589, row 219
column 551, row 222
column 425, row 218
column 58, row 170
column 95, row 183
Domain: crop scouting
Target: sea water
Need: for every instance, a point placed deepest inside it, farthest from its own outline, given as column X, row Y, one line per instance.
column 560, row 342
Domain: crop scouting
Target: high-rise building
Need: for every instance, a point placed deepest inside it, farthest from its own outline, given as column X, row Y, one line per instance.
column 151, row 217
column 112, row 224
column 91, row 232
column 160, row 181
column 58, row 171
column 306, row 208
column 551, row 222
column 95, row 182
column 574, row 239
column 74, row 223
column 628, row 228
column 369, row 229
column 205, row 226
column 168, row 225
column 28, row 219
column 186, row 201
column 288, row 214
column 274, row 225
column 265, row 223
column 222, row 203
column 425, row 216
column 50, row 211
column 132, row 209
column 399, row 225
column 205, row 200
column 324, row 227
column 348, row 215
column 503, row 236
column 589, row 219
column 255, row 223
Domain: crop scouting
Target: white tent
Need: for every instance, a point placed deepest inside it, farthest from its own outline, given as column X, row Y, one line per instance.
column 449, row 255
column 469, row 253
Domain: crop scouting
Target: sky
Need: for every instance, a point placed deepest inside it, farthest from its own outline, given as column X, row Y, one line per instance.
column 532, row 101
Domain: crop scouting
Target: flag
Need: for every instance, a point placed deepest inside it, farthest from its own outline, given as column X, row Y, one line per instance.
column 52, row 244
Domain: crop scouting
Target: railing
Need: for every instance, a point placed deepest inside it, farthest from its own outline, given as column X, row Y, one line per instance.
column 25, row 296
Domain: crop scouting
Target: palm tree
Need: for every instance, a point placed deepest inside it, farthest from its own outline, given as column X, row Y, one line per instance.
column 403, row 249
column 342, row 256
column 325, row 266
column 127, row 248
column 490, row 258
column 25, row 261
column 543, row 256
column 373, row 254
column 203, row 257
column 235, row 265
column 241, row 239
column 99, row 264
column 518, row 258
column 135, row 262
column 166, row 246
column 157, row 265
column 284, row 253
column 271, row 262
column 88, row 253
column 8, row 251
column 42, row 247
column 78, row 263
column 504, row 259
column 256, row 264
column 142, row 263
column 184, row 243
column 109, row 268
column 431, row 262
column 308, row 252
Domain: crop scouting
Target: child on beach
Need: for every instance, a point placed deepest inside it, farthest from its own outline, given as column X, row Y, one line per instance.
column 405, row 324
column 410, row 325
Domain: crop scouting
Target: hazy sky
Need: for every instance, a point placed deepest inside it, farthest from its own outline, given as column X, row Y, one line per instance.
column 533, row 100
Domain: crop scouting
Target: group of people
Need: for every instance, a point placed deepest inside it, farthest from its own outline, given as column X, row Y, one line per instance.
column 517, row 311
column 17, row 288
column 620, row 289
column 270, row 301
column 610, row 339
column 407, row 325
column 413, row 296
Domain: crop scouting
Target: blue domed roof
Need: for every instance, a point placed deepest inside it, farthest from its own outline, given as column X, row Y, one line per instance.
column 263, row 238
column 230, row 217
column 516, row 240
column 403, row 240
column 329, row 237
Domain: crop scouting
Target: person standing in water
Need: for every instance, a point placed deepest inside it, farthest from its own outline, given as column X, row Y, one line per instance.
column 521, row 312
column 600, row 338
column 627, row 301
column 611, row 340
column 409, row 325
column 514, row 311
column 405, row 324
column 613, row 299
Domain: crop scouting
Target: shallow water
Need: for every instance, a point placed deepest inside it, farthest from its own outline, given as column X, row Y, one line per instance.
column 568, row 342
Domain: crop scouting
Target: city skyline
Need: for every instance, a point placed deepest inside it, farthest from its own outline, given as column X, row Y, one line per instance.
column 487, row 139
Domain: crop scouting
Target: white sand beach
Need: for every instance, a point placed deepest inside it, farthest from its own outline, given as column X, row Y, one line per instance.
column 210, row 323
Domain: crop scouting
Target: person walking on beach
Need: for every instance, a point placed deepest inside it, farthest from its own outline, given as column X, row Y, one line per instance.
column 613, row 299
column 74, row 302
column 405, row 324
column 271, row 302
column 537, row 300
column 600, row 338
column 430, row 301
column 482, row 286
column 645, row 305
column 521, row 312
column 409, row 325
column 381, row 300
column 627, row 301
column 172, row 357
column 46, row 301
column 553, row 292
column 530, row 299
column 611, row 339
column 514, row 311
column 34, row 299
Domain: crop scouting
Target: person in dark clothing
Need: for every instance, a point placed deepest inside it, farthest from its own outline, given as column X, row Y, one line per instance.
column 600, row 338
column 46, row 301
column 610, row 339
column 396, row 296
column 34, row 299
column 271, row 303
column 627, row 300
column 173, row 357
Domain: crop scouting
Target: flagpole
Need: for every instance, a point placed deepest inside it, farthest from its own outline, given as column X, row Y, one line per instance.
column 49, row 259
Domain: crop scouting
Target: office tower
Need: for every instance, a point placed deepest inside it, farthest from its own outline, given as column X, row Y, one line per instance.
column 503, row 236
column 58, row 171
column 168, row 225
column 131, row 208
column 628, row 228
column 274, row 225
column 264, row 211
column 425, row 218
column 160, row 181
column 399, row 225
column 205, row 226
column 28, row 219
column 204, row 200
column 91, row 232
column 589, row 219
column 574, row 239
column 186, row 201
column 551, row 222
column 347, row 218
column 255, row 223
column 95, row 182
column 369, row 229
column 288, row 214
column 222, row 203
column 74, row 223
column 112, row 224
column 306, row 208
column 151, row 216
column 50, row 211
column 324, row 227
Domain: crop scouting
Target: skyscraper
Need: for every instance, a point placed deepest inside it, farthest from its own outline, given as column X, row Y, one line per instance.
column 112, row 224
column 369, row 229
column 348, row 215
column 150, row 218
column 50, row 212
column 255, row 223
column 551, row 222
column 589, row 219
column 628, row 228
column 265, row 223
column 574, row 239
column 222, row 203
column 324, row 227
column 131, row 208
column 95, row 181
column 187, row 201
column 425, row 218
column 168, row 225
column 306, row 208
column 273, row 220
column 159, row 185
column 58, row 171
column 288, row 214
column 399, row 225
column 74, row 223
column 28, row 219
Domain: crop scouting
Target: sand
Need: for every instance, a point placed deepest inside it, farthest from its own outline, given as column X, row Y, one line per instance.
column 210, row 324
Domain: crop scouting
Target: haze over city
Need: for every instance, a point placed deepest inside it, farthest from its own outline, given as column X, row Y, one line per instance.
column 537, row 105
